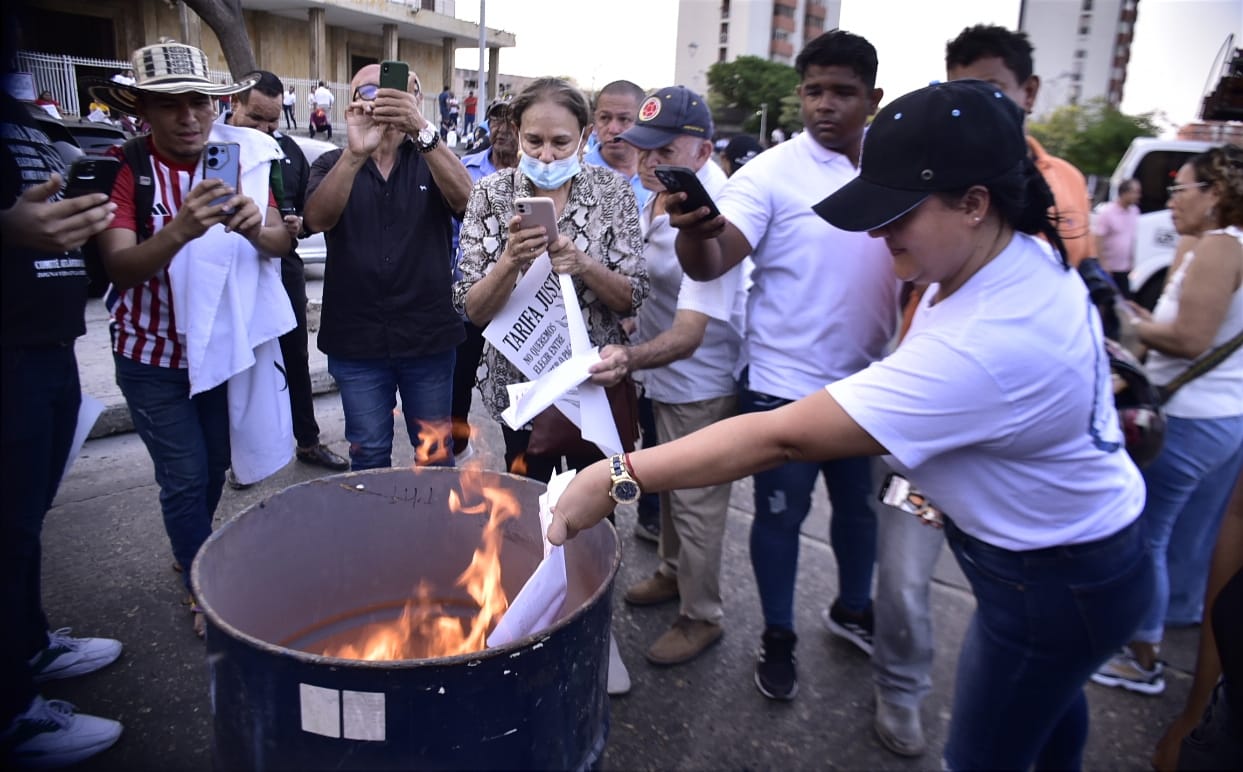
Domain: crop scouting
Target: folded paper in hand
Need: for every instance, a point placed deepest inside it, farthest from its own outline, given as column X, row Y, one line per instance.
column 539, row 601
column 541, row 331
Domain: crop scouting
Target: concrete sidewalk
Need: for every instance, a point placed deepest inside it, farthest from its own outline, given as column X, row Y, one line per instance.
column 106, row 572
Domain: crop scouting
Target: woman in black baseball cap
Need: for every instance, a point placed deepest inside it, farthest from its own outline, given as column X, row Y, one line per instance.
column 998, row 408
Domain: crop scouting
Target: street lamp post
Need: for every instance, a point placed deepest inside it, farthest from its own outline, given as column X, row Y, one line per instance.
column 763, row 122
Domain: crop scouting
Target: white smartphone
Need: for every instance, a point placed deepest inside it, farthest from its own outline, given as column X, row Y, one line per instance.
column 538, row 211
column 898, row 492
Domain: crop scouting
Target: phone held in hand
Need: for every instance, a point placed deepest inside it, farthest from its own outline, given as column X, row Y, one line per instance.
column 538, row 211
column 92, row 175
column 394, row 75
column 680, row 179
column 222, row 161
column 898, row 492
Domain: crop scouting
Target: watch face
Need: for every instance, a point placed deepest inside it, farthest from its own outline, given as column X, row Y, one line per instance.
column 426, row 134
column 625, row 491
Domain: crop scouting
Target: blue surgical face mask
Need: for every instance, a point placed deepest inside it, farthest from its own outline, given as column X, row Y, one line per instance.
column 551, row 175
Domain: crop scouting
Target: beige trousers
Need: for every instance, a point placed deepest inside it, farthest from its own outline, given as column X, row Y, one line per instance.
column 692, row 522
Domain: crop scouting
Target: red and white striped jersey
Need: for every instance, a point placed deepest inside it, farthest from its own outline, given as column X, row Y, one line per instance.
column 146, row 322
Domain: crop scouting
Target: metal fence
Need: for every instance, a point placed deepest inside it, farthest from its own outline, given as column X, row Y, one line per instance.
column 68, row 78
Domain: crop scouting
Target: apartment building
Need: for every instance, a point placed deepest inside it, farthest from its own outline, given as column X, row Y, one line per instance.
column 711, row 31
column 1082, row 49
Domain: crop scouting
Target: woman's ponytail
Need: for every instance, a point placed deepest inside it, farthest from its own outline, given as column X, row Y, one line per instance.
column 1034, row 216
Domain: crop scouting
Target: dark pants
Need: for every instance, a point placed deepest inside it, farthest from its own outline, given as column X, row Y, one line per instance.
column 289, row 119
column 1045, row 620
column 649, row 503
column 40, row 410
column 464, row 368
column 297, row 360
column 188, row 441
column 1121, row 278
column 327, row 128
column 539, row 467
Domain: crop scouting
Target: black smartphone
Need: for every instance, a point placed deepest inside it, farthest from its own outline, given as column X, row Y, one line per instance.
column 394, row 75
column 222, row 161
column 92, row 175
column 679, row 179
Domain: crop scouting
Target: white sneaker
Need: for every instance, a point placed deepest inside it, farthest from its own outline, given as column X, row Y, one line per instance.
column 50, row 734
column 66, row 657
column 619, row 677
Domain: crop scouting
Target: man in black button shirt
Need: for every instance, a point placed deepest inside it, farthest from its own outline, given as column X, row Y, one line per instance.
column 386, row 204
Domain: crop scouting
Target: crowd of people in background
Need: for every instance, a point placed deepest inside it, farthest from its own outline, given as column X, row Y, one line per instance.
column 893, row 308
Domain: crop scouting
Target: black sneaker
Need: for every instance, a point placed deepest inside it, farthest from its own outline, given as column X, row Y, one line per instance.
column 850, row 626
column 775, row 675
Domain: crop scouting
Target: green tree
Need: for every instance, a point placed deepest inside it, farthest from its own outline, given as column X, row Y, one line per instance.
column 737, row 89
column 1092, row 136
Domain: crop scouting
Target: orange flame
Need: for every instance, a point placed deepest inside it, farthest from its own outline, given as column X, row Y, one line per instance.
column 435, row 443
column 519, row 465
column 424, row 629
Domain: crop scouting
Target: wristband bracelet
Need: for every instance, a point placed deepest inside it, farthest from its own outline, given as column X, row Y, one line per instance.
column 630, row 469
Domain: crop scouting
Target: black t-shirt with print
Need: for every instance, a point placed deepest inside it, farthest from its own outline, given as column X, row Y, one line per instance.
column 44, row 295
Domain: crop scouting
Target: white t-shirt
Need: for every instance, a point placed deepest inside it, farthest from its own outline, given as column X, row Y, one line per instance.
column 290, row 98
column 708, row 373
column 1219, row 392
column 824, row 303
column 998, row 405
column 323, row 96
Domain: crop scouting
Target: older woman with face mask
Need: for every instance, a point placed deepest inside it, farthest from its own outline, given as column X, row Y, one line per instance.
column 598, row 242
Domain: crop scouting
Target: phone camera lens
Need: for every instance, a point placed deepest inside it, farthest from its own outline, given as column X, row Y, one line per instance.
column 213, row 150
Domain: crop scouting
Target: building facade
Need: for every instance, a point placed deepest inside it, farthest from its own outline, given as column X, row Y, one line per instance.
column 1082, row 49
column 711, row 31
column 300, row 41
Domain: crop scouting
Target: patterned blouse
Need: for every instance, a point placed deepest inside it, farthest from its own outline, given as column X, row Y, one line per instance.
column 602, row 219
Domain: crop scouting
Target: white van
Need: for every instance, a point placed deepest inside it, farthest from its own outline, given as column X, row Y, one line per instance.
column 1153, row 162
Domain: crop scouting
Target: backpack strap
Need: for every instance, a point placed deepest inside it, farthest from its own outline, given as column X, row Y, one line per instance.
column 139, row 159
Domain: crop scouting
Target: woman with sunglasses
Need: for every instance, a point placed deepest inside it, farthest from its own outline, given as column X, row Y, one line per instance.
column 1189, row 483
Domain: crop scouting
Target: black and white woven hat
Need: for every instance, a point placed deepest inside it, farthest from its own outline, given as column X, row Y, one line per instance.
column 166, row 68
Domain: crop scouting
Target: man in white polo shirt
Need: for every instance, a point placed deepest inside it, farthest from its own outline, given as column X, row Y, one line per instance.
column 687, row 347
column 823, row 306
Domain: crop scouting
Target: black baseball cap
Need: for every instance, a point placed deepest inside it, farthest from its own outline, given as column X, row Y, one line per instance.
column 945, row 137
column 742, row 148
column 666, row 115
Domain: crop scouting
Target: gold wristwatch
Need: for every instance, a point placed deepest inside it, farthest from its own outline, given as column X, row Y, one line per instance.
column 625, row 489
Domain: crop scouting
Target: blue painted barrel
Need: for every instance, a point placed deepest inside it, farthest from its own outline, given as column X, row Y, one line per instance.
column 348, row 549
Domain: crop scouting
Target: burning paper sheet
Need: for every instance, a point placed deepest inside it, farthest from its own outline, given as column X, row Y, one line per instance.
column 540, row 599
column 541, row 331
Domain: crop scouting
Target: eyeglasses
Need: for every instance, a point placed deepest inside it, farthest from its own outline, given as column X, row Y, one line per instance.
column 1173, row 190
column 366, row 91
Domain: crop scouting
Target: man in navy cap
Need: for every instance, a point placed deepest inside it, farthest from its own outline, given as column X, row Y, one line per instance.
column 687, row 344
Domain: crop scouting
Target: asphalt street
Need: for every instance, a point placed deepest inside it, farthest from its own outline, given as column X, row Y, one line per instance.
column 107, row 572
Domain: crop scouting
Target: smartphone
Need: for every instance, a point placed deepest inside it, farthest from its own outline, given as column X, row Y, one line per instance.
column 898, row 492
column 92, row 175
column 679, row 179
column 222, row 161
column 538, row 211
column 394, row 75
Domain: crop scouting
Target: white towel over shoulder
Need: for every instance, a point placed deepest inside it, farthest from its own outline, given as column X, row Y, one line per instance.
column 231, row 307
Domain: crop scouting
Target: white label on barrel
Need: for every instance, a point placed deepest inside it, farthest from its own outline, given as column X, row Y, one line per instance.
column 364, row 715
column 321, row 710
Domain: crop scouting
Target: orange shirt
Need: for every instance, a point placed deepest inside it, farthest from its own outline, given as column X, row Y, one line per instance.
column 1071, row 206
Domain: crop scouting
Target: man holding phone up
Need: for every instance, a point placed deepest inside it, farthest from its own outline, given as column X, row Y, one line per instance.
column 687, row 345
column 386, row 204
column 260, row 108
column 154, row 299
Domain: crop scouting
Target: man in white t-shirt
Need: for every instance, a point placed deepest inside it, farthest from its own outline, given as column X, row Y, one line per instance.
column 823, row 306
column 687, row 347
column 323, row 97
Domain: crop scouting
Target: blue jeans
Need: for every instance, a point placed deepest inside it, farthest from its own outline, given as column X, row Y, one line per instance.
column 782, row 501
column 1189, row 484
column 188, row 441
column 369, row 389
column 40, row 396
column 1044, row 621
